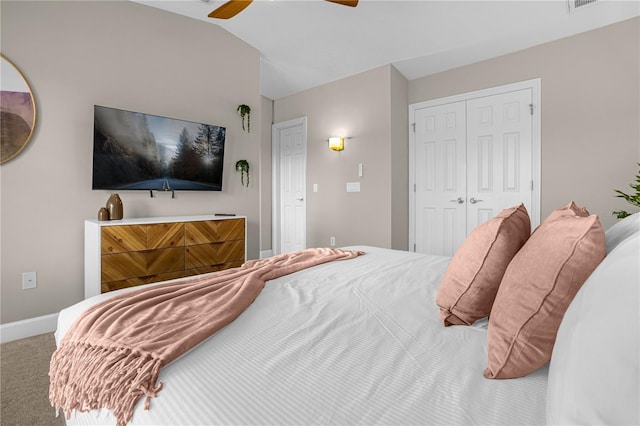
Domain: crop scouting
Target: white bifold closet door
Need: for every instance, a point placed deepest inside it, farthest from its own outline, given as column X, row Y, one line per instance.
column 473, row 158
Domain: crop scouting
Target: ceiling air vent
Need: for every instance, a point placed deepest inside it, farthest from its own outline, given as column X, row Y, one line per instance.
column 578, row 4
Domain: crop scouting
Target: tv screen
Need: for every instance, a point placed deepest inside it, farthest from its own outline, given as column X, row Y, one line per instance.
column 133, row 150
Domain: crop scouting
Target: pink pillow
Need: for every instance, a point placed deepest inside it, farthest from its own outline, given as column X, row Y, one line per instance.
column 471, row 281
column 537, row 288
column 571, row 209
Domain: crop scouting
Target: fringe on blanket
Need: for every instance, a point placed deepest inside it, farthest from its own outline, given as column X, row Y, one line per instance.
column 103, row 377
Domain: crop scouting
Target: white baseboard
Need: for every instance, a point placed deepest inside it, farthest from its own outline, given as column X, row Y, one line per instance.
column 28, row 328
column 266, row 253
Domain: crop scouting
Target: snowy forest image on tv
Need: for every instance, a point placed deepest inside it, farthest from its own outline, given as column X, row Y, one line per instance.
column 132, row 150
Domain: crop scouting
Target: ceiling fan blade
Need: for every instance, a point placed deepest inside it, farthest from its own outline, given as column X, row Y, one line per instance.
column 230, row 9
column 352, row 3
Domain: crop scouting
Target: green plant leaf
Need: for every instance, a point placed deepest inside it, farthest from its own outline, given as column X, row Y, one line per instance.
column 245, row 111
column 632, row 198
column 621, row 214
column 242, row 166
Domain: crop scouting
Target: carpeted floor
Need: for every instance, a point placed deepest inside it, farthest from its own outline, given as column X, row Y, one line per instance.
column 24, row 378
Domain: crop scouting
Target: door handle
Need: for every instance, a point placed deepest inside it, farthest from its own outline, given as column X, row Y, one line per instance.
column 473, row 200
column 300, row 199
column 458, row 200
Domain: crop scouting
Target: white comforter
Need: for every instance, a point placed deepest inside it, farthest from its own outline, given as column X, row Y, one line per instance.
column 349, row 342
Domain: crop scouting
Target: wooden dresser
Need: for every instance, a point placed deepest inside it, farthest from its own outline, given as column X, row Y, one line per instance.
column 131, row 252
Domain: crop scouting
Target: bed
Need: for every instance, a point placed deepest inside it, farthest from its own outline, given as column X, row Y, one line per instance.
column 361, row 342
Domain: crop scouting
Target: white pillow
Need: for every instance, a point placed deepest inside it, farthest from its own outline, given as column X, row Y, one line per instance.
column 621, row 230
column 594, row 374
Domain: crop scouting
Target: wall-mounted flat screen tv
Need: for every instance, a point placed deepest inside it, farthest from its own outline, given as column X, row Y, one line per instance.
column 133, row 150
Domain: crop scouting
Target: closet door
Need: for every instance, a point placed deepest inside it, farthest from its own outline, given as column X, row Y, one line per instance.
column 440, row 178
column 471, row 156
column 499, row 154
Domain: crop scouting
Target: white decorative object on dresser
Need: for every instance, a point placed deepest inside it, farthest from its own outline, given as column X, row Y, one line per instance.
column 130, row 252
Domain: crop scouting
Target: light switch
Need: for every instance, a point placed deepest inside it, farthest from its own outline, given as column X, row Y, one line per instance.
column 353, row 186
column 360, row 170
column 315, row 187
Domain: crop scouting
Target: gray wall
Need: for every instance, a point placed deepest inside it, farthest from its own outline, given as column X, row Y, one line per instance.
column 266, row 120
column 590, row 111
column 359, row 107
column 125, row 55
column 399, row 151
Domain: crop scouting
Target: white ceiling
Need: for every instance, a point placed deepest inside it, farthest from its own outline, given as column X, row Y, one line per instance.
column 306, row 43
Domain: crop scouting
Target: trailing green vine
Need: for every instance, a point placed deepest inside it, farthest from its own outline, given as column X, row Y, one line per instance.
column 242, row 166
column 245, row 111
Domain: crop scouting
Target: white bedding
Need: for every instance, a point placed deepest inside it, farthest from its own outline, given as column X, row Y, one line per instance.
column 349, row 342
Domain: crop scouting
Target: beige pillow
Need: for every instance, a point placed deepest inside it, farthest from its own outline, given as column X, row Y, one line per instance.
column 471, row 281
column 537, row 288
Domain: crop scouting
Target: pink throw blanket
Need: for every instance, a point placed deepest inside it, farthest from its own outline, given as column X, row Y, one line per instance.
column 112, row 354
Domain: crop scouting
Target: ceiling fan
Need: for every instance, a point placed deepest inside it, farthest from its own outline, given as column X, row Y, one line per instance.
column 233, row 7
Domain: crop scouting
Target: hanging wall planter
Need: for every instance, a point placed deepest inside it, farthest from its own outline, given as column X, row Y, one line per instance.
column 245, row 110
column 242, row 166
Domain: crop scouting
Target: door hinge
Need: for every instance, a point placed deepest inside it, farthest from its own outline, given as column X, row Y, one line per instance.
column 414, row 187
column 531, row 108
column 532, row 185
column 414, row 247
column 413, row 127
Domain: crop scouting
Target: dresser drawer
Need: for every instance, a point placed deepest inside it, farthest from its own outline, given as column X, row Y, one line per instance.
column 120, row 255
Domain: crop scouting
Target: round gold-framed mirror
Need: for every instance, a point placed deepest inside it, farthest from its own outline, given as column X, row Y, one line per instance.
column 17, row 110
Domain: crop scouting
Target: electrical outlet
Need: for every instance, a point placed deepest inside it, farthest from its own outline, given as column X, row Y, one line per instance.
column 332, row 241
column 29, row 280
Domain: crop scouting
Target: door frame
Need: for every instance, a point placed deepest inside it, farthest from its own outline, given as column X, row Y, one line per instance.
column 276, row 196
column 535, row 86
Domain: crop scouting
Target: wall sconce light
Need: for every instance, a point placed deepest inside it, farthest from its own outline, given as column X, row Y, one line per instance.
column 336, row 143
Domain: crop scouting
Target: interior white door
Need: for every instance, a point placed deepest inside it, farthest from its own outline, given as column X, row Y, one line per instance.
column 472, row 155
column 440, row 178
column 499, row 154
column 289, row 144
